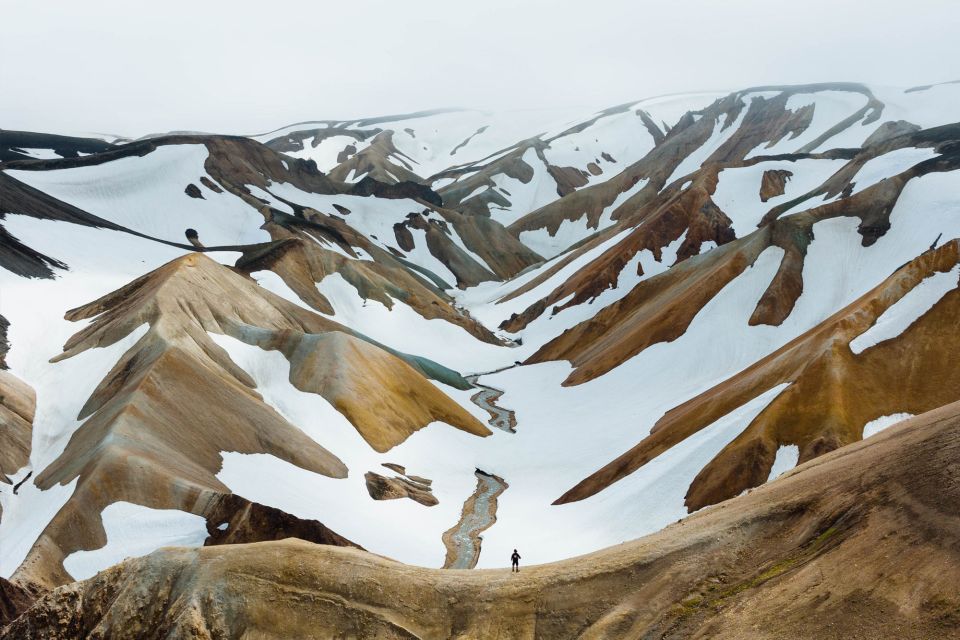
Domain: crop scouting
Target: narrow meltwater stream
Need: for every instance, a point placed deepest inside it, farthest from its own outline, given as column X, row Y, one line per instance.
column 479, row 513
column 486, row 399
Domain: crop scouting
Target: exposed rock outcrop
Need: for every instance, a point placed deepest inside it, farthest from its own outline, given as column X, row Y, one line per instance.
column 14, row 143
column 774, row 183
column 193, row 191
column 14, row 600
column 401, row 486
column 232, row 519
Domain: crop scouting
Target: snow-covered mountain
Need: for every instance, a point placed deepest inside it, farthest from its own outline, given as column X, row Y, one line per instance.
column 542, row 330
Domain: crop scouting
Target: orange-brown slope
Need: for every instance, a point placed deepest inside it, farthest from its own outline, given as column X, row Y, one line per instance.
column 157, row 424
column 660, row 308
column 192, row 296
column 832, row 393
column 861, row 543
column 660, row 213
column 381, row 160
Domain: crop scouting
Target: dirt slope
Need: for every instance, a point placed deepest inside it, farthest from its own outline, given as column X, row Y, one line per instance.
column 877, row 556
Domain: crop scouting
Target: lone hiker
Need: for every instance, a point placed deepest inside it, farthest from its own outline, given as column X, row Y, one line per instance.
column 515, row 562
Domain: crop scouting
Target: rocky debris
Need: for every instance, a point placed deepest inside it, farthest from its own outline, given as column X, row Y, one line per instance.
column 193, row 191
column 305, row 262
column 20, row 259
column 660, row 308
column 346, row 153
column 368, row 186
column 774, row 183
column 666, row 211
column 467, row 140
column 210, row 184
column 873, row 557
column 475, row 176
column 14, row 600
column 468, row 271
column 298, row 140
column 401, row 486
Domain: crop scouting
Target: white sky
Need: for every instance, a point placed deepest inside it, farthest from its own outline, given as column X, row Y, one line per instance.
column 129, row 67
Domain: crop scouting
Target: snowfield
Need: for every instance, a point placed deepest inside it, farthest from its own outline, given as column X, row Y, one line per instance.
column 563, row 433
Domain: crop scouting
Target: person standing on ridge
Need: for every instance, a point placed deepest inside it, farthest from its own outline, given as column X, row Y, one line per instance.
column 515, row 562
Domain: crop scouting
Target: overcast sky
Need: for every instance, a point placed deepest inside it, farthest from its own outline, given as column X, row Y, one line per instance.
column 238, row 66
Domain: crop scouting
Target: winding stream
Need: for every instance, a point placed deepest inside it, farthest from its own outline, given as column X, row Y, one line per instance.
column 486, row 399
column 479, row 513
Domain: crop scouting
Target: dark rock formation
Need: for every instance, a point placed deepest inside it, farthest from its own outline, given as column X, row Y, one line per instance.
column 12, row 144
column 14, row 600
column 232, row 519
column 194, row 238
column 210, row 184
column 367, row 186
column 4, row 345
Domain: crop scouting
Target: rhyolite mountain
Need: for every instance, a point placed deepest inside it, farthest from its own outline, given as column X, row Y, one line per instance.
column 440, row 336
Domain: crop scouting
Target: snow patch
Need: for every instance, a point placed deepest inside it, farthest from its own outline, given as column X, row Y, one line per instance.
column 890, row 164
column 134, row 530
column 787, row 457
column 876, row 426
column 907, row 310
column 25, row 516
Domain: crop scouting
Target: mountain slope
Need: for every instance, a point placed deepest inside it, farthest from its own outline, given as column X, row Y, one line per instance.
column 837, row 387
column 160, row 419
column 772, row 564
column 658, row 305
